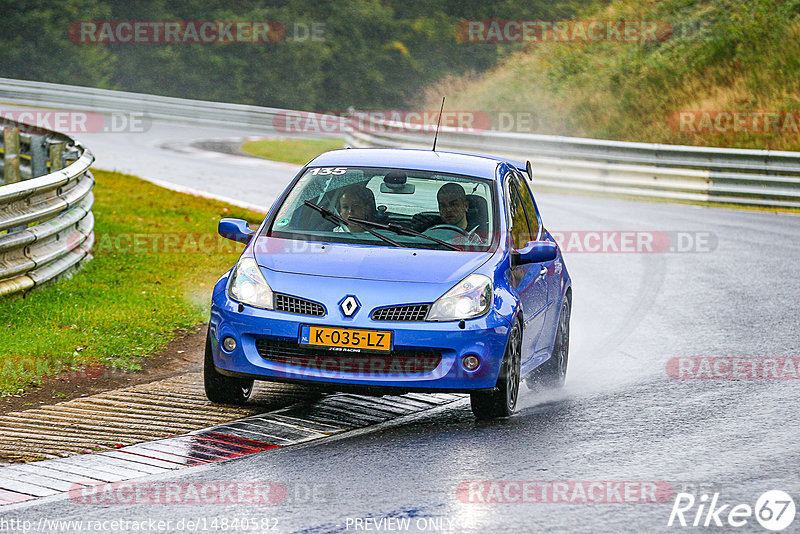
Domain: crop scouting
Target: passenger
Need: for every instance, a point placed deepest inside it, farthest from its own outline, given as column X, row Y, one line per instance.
column 453, row 205
column 354, row 201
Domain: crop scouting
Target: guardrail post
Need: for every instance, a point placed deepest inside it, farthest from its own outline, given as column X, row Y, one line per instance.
column 11, row 155
column 56, row 156
column 42, row 252
column 38, row 155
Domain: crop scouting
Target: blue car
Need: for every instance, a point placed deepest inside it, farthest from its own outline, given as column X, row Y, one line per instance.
column 384, row 271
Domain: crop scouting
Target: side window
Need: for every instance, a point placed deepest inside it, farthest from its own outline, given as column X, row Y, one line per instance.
column 520, row 231
column 530, row 207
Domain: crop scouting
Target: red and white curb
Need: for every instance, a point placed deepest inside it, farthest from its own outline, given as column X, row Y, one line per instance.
column 258, row 433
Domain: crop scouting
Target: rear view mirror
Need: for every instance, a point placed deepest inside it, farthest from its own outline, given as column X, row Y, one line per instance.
column 395, row 182
column 399, row 189
column 235, row 230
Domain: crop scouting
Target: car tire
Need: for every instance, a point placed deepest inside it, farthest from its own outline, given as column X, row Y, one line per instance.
column 502, row 400
column 220, row 388
column 553, row 373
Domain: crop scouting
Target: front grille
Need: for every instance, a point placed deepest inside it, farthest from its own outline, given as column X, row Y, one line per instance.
column 400, row 361
column 413, row 312
column 289, row 304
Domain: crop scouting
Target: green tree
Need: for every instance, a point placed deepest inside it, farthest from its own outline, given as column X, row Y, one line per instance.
column 35, row 43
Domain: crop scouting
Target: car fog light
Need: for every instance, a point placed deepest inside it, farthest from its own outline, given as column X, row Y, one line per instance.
column 229, row 344
column 471, row 362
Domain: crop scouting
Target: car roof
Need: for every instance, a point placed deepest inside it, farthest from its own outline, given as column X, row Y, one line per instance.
column 410, row 158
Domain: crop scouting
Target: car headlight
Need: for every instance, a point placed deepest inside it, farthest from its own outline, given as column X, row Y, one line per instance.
column 470, row 298
column 249, row 286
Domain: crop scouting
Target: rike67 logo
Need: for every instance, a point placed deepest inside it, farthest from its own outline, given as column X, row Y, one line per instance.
column 774, row 510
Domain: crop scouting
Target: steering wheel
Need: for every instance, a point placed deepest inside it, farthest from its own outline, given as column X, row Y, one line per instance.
column 449, row 227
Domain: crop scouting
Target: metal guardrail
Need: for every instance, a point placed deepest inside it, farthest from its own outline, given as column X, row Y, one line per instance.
column 46, row 222
column 673, row 172
column 254, row 119
column 571, row 164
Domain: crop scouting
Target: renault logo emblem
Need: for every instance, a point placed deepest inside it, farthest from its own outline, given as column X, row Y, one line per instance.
column 349, row 305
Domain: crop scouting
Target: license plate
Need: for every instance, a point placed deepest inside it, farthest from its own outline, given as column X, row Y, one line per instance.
column 348, row 338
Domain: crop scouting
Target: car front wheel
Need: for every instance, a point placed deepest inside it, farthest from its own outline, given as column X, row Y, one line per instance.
column 502, row 400
column 220, row 388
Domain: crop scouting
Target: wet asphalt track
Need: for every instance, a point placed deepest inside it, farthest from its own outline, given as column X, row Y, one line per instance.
column 620, row 417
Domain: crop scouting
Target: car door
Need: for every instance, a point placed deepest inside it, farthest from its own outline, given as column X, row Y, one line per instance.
column 550, row 271
column 528, row 279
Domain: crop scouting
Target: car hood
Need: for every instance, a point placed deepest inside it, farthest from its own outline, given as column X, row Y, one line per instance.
column 365, row 262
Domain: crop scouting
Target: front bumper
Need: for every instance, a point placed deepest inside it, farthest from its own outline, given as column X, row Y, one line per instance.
column 484, row 337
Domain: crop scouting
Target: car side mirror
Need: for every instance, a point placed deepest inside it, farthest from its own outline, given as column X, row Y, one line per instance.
column 535, row 252
column 235, row 230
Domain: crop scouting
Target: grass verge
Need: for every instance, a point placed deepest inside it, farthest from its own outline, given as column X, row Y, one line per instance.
column 712, row 61
column 157, row 256
column 297, row 151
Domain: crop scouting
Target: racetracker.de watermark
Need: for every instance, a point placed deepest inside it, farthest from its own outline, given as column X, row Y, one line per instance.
column 40, row 121
column 380, row 121
column 562, row 31
column 16, row 367
column 733, row 368
column 564, row 492
column 406, row 121
column 193, row 31
column 193, row 493
column 634, row 241
column 183, row 243
column 735, row 122
column 584, row 241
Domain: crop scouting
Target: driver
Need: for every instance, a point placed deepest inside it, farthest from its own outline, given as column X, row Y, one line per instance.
column 453, row 205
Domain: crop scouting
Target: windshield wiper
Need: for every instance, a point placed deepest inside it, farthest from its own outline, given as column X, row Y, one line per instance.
column 402, row 230
column 330, row 215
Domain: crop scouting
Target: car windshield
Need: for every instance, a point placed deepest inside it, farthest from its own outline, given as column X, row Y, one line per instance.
column 388, row 207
